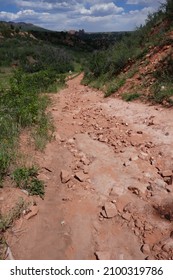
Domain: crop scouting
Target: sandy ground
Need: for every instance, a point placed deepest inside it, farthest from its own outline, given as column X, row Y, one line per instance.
column 108, row 173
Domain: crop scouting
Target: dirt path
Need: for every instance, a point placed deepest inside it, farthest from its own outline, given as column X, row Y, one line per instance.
column 116, row 198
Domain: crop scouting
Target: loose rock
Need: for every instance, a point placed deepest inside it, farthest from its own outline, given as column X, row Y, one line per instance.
column 33, row 212
column 166, row 173
column 81, row 176
column 126, row 216
column 65, row 176
column 71, row 141
column 146, row 249
column 160, row 183
column 103, row 255
column 134, row 158
column 85, row 161
column 168, row 180
column 110, row 210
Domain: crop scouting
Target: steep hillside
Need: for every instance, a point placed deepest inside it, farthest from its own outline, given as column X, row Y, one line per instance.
column 150, row 78
column 140, row 65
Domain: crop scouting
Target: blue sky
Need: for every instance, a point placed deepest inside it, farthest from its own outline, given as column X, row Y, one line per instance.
column 93, row 16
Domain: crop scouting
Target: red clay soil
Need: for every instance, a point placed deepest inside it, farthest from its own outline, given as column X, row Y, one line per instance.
column 155, row 60
column 108, row 173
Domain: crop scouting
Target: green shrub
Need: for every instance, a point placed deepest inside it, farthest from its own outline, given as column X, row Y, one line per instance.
column 7, row 220
column 43, row 131
column 33, row 56
column 161, row 92
column 21, row 106
column 162, row 89
column 130, row 96
column 114, row 86
column 26, row 178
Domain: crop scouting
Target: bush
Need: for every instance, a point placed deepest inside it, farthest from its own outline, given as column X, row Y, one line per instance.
column 111, row 62
column 26, row 178
column 114, row 86
column 33, row 56
column 7, row 220
column 130, row 96
column 24, row 101
column 162, row 92
column 21, row 106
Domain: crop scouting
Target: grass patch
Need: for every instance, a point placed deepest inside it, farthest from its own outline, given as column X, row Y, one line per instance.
column 23, row 105
column 162, row 92
column 26, row 178
column 114, row 86
column 97, row 83
column 43, row 132
column 130, row 96
column 8, row 219
column 132, row 72
column 3, row 247
column 5, row 76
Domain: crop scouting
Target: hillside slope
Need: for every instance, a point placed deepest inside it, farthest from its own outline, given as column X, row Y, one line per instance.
column 151, row 76
column 140, row 65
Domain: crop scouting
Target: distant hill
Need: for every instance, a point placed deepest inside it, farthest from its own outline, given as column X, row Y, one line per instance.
column 22, row 26
column 27, row 26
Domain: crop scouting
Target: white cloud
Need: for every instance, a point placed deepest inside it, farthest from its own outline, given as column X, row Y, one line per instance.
column 118, row 22
column 7, row 16
column 105, row 9
column 21, row 15
column 96, row 15
column 44, row 5
column 155, row 3
column 99, row 9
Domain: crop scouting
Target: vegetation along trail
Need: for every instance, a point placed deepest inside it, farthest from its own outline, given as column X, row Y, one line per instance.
column 109, row 182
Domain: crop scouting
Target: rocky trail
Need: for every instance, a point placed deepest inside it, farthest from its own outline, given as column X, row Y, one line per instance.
column 108, row 173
